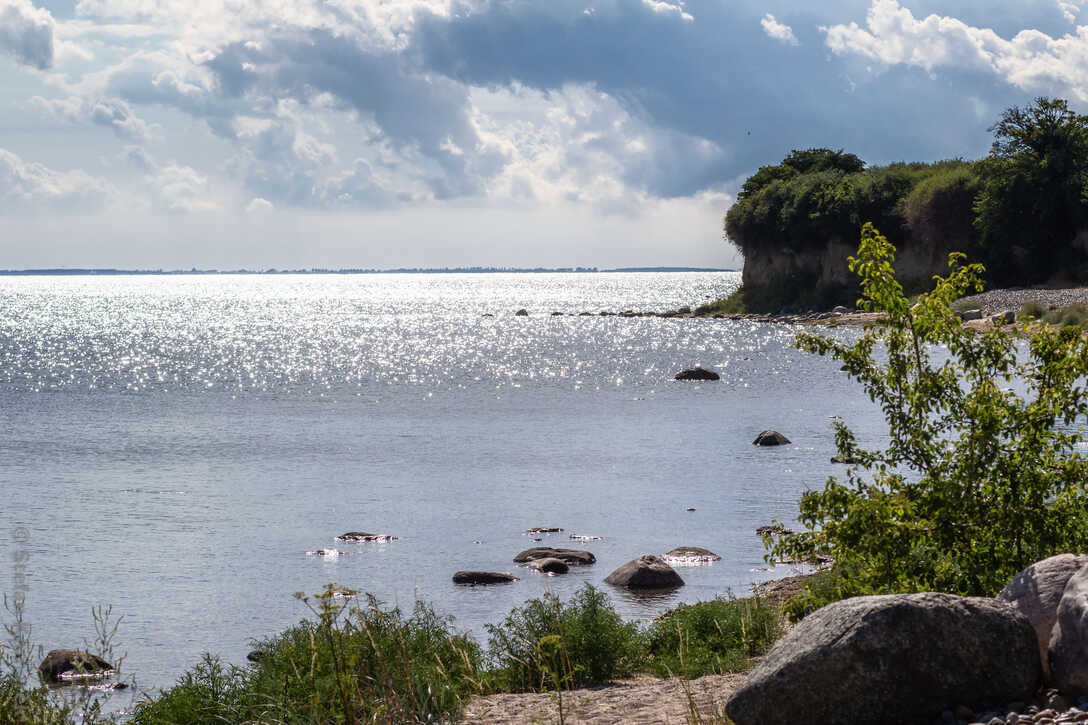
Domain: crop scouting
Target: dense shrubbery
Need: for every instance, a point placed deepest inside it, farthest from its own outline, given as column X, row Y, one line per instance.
column 591, row 644
column 802, row 211
column 977, row 481
column 718, row 636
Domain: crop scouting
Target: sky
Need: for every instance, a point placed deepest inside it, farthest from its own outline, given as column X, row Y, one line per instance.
column 432, row 133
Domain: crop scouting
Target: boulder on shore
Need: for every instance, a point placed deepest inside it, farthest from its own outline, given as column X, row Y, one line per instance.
column 550, row 565
column 697, row 373
column 1068, row 651
column 474, row 578
column 891, row 659
column 645, row 572
column 568, row 556
column 66, row 665
column 1036, row 592
column 770, row 438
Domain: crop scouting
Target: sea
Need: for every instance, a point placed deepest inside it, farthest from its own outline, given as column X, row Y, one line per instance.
column 172, row 446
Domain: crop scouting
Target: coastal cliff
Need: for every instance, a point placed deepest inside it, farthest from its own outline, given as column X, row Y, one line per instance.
column 1022, row 212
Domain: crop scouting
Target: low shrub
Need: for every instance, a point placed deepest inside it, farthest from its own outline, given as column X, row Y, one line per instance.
column 731, row 305
column 1073, row 316
column 714, row 637
column 594, row 644
column 1032, row 310
column 355, row 663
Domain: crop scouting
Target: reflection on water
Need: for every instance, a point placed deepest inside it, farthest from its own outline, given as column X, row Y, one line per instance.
column 175, row 445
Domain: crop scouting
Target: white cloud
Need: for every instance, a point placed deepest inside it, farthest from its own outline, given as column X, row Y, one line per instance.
column 1031, row 60
column 777, row 30
column 1070, row 9
column 259, row 205
column 180, row 189
column 26, row 33
column 660, row 6
column 26, row 186
column 113, row 113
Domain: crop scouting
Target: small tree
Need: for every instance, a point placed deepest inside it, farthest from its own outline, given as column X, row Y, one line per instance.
column 1032, row 203
column 976, row 481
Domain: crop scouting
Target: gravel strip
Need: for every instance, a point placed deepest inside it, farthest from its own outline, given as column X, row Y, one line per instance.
column 1000, row 300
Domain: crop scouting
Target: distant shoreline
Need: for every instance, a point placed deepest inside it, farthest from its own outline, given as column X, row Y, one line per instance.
column 105, row 272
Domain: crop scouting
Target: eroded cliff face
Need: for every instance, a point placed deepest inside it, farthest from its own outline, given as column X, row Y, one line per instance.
column 820, row 277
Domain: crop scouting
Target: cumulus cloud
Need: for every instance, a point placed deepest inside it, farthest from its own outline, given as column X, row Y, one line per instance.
column 777, row 30
column 113, row 113
column 180, row 189
column 1070, row 9
column 258, row 205
column 1030, row 60
column 660, row 6
column 26, row 33
column 27, row 186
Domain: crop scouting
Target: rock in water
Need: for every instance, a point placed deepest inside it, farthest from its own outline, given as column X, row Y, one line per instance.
column 483, row 577
column 363, row 536
column 690, row 555
column 522, row 313
column 891, row 659
column 65, row 665
column 770, row 438
column 1036, row 592
column 645, row 572
column 697, row 373
column 569, row 556
column 550, row 565
column 1069, row 640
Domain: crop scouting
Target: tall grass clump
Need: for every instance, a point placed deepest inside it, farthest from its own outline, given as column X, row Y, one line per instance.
column 714, row 637
column 550, row 644
column 733, row 304
column 355, row 663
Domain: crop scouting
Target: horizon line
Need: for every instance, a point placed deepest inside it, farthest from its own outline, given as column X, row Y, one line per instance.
column 111, row 271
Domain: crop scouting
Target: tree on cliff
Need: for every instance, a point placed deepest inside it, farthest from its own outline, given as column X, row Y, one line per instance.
column 1033, row 203
column 977, row 480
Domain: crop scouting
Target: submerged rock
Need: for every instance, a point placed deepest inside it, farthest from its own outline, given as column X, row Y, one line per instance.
column 474, row 578
column 327, row 553
column 570, row 556
column 697, row 373
column 544, row 530
column 645, row 572
column 522, row 313
column 68, row 665
column 363, row 536
column 770, row 438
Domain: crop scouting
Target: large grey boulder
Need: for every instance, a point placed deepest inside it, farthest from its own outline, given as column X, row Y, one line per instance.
column 1069, row 638
column 570, row 556
column 1036, row 592
column 67, row 665
column 645, row 572
column 891, row 659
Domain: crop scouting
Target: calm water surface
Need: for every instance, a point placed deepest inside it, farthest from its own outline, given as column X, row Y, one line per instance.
column 175, row 445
